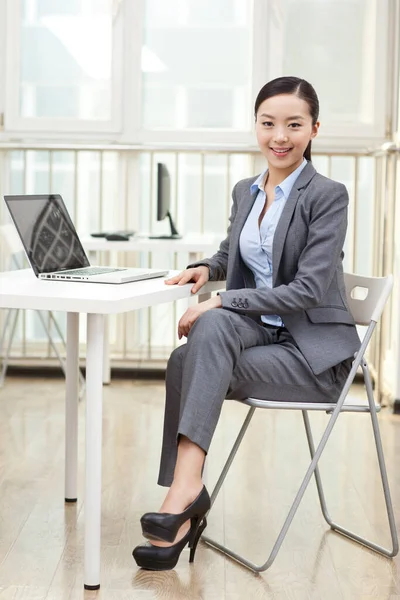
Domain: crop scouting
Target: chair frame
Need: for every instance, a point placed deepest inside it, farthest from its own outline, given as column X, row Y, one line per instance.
column 334, row 410
column 10, row 324
column 11, row 320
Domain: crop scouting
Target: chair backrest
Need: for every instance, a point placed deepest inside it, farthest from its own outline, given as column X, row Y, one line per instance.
column 11, row 241
column 367, row 296
column 10, row 237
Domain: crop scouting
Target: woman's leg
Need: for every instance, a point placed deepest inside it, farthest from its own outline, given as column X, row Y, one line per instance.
column 173, row 388
column 280, row 372
column 198, row 377
column 186, row 484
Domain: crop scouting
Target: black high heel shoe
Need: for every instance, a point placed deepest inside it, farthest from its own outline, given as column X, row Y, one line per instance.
column 155, row 558
column 165, row 526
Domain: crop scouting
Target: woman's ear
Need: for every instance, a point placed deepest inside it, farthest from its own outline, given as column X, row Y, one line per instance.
column 314, row 131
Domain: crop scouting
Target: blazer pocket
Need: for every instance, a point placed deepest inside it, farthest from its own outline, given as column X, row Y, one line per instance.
column 329, row 314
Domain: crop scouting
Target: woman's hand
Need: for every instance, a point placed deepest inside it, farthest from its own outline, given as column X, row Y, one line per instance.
column 199, row 275
column 189, row 318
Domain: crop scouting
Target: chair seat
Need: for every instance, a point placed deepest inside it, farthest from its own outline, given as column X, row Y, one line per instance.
column 326, row 406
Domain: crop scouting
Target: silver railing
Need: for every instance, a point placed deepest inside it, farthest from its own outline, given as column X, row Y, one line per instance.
column 114, row 187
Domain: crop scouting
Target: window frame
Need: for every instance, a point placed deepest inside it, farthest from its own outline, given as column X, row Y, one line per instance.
column 135, row 133
column 42, row 127
column 125, row 125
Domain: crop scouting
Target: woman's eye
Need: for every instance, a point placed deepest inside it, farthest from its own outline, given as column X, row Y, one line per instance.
column 268, row 123
column 294, row 125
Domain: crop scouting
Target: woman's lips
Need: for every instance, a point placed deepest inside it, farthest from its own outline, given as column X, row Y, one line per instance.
column 280, row 152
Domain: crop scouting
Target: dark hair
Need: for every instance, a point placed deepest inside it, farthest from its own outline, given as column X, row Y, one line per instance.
column 291, row 85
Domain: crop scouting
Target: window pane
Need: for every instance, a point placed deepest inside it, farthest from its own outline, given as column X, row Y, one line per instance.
column 332, row 44
column 66, row 51
column 196, row 64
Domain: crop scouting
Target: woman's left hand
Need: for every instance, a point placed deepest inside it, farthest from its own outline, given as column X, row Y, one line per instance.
column 189, row 318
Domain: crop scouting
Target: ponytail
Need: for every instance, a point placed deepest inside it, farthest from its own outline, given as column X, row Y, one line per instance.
column 307, row 152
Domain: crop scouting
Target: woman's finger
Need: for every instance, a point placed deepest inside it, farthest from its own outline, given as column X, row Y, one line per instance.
column 173, row 280
column 180, row 279
column 199, row 284
column 186, row 277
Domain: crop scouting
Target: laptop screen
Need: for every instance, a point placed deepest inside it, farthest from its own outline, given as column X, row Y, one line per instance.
column 47, row 233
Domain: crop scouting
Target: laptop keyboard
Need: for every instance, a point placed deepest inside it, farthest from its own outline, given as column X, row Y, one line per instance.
column 92, row 271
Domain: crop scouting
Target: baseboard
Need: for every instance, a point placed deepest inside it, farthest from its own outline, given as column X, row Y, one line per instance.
column 53, row 371
column 396, row 406
column 118, row 372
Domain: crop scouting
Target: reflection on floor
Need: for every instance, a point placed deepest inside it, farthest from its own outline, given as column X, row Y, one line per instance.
column 41, row 539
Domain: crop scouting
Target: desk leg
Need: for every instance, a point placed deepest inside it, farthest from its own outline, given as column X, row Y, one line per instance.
column 94, row 393
column 106, row 353
column 71, row 407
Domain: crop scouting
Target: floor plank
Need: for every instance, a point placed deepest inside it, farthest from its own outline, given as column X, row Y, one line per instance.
column 41, row 538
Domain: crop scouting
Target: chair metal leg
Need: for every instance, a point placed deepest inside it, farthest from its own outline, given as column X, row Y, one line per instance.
column 14, row 313
column 305, row 482
column 384, row 478
column 10, row 311
column 317, row 475
column 292, row 511
column 61, row 360
column 231, row 456
column 389, row 507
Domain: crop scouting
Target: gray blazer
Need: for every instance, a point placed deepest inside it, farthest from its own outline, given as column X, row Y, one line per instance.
column 308, row 288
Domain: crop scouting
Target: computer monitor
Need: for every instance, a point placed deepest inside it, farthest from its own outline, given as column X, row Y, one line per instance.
column 164, row 202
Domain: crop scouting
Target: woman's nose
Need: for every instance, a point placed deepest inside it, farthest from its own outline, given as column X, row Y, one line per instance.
column 281, row 136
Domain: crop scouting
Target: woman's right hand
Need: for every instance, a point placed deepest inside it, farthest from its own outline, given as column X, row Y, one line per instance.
column 200, row 275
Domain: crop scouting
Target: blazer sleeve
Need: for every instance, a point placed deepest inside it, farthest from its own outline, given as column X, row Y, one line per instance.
column 317, row 262
column 218, row 263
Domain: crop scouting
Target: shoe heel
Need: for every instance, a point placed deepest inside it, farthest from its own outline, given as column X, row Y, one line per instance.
column 195, row 539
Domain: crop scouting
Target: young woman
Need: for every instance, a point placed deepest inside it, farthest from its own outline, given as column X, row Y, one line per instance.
column 280, row 331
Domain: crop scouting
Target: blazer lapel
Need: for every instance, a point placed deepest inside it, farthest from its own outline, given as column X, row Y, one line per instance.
column 246, row 207
column 243, row 212
column 283, row 224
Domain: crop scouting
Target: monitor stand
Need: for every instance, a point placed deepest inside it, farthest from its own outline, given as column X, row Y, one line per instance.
column 174, row 235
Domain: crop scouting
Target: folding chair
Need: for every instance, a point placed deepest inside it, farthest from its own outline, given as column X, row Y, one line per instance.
column 10, row 238
column 366, row 311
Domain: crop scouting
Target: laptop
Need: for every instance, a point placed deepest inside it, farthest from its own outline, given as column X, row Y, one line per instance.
column 53, row 247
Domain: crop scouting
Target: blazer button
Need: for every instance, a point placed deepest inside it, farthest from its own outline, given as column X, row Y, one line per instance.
column 240, row 305
column 234, row 303
column 246, row 304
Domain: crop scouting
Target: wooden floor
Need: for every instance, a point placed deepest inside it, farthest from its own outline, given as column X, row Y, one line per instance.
column 41, row 539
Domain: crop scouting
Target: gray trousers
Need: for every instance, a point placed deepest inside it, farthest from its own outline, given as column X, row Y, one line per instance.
column 228, row 355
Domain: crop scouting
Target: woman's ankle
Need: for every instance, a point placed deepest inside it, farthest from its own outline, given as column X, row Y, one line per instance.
column 180, row 495
column 187, row 487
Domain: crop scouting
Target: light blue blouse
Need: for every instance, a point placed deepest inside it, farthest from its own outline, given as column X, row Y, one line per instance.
column 256, row 243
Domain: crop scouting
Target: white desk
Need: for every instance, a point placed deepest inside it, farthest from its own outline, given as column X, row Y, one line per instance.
column 21, row 289
column 195, row 244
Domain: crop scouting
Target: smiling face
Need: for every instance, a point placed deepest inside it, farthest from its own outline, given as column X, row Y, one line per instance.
column 284, row 128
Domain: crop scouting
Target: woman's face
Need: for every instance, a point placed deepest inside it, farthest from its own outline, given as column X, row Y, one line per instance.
column 284, row 128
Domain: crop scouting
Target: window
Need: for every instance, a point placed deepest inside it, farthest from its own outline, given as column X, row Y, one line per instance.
column 196, row 65
column 340, row 48
column 152, row 71
column 61, row 71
